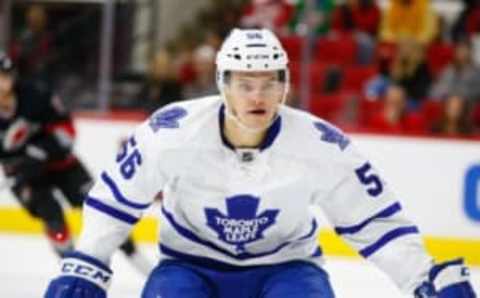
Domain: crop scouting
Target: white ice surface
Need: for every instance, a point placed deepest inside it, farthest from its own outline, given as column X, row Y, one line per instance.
column 27, row 264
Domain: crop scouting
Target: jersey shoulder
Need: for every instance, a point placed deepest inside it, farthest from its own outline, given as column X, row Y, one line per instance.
column 318, row 142
column 317, row 145
column 313, row 132
column 181, row 123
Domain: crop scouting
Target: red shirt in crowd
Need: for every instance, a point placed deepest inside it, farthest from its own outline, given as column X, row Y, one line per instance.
column 366, row 19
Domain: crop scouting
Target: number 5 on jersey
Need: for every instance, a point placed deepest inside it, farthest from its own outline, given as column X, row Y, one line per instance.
column 367, row 178
column 129, row 158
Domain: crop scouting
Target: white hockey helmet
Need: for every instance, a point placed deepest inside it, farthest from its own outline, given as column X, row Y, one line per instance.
column 251, row 50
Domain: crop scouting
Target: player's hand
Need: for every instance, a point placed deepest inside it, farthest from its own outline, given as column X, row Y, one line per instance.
column 82, row 276
column 447, row 280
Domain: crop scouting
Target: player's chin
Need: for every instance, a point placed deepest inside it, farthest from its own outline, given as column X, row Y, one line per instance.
column 258, row 123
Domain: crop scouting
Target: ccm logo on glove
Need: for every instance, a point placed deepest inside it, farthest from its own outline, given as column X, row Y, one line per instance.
column 85, row 270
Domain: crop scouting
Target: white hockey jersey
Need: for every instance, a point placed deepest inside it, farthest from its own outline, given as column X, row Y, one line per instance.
column 250, row 206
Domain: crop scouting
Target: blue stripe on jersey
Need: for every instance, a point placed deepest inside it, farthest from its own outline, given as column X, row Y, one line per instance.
column 241, row 256
column 201, row 261
column 312, row 231
column 389, row 211
column 208, row 262
column 115, row 213
column 393, row 234
column 118, row 195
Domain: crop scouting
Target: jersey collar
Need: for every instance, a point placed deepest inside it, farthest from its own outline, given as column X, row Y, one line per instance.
column 272, row 131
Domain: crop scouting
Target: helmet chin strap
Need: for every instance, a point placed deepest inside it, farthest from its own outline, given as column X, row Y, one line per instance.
column 230, row 113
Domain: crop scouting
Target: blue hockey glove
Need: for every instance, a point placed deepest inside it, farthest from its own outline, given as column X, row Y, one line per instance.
column 447, row 280
column 82, row 276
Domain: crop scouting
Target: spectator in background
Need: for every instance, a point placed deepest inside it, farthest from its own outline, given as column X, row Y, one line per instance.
column 361, row 18
column 376, row 87
column 213, row 39
column 394, row 117
column 183, row 62
column 409, row 19
column 161, row 85
column 406, row 66
column 270, row 14
column 357, row 16
column 409, row 70
column 472, row 22
column 319, row 19
column 461, row 77
column 455, row 119
column 466, row 20
column 32, row 49
column 222, row 16
column 204, row 67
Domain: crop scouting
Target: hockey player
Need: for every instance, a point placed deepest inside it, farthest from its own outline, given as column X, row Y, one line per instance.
column 239, row 173
column 36, row 140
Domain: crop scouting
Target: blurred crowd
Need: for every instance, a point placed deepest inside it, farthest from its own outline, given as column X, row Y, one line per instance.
column 400, row 68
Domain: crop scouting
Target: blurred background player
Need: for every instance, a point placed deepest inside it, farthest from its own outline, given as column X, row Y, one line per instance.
column 37, row 136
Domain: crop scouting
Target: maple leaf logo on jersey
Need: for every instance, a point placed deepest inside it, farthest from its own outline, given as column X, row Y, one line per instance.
column 167, row 118
column 332, row 135
column 241, row 224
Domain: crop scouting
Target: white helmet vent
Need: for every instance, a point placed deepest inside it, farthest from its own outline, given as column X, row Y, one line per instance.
column 256, row 45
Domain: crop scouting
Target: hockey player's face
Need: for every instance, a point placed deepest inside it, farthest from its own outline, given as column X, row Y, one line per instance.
column 254, row 97
column 6, row 84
